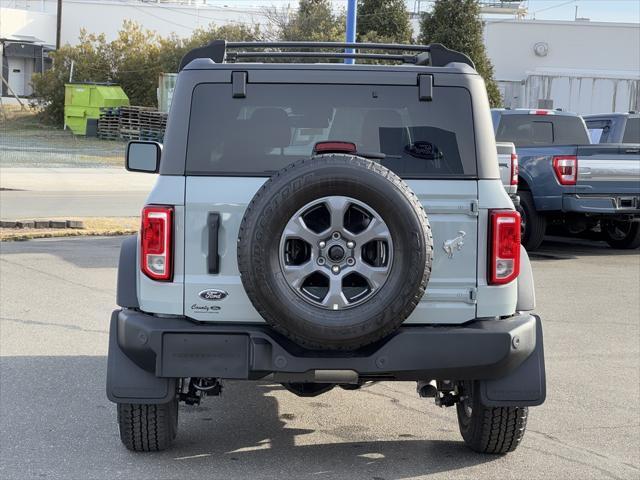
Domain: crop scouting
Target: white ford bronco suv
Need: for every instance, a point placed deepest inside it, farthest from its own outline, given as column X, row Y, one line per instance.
column 321, row 225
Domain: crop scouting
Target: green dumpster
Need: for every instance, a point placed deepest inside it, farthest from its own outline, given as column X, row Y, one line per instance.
column 84, row 100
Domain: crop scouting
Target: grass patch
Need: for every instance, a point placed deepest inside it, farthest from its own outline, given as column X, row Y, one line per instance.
column 15, row 118
column 93, row 226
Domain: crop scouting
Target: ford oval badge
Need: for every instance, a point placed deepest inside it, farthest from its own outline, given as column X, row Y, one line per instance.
column 213, row 294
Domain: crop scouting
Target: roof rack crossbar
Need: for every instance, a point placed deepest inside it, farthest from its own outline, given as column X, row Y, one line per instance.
column 354, row 45
column 232, row 56
column 435, row 54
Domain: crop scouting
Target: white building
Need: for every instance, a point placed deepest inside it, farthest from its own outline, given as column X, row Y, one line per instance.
column 579, row 66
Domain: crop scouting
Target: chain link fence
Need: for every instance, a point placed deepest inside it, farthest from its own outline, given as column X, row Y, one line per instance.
column 26, row 142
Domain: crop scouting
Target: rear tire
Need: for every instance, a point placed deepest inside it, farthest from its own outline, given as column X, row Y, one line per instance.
column 622, row 235
column 534, row 225
column 148, row 427
column 495, row 430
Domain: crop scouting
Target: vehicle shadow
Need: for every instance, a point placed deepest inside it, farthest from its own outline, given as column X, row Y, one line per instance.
column 56, row 420
column 79, row 251
column 567, row 248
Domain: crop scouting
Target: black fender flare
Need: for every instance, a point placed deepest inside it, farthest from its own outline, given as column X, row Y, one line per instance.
column 127, row 289
column 526, row 288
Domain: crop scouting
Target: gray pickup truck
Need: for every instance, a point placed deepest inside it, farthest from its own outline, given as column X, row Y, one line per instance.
column 614, row 127
column 320, row 226
column 564, row 180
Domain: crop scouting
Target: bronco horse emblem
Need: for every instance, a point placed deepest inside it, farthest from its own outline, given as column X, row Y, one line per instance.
column 450, row 246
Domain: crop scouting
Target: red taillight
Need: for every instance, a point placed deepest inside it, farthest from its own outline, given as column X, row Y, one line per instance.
column 541, row 112
column 334, row 147
column 515, row 169
column 156, row 242
column 504, row 259
column 566, row 169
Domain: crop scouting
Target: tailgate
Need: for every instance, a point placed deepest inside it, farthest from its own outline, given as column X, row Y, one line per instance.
column 505, row 150
column 608, row 169
column 451, row 206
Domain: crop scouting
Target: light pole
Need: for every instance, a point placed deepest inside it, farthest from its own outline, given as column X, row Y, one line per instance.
column 351, row 28
column 58, row 24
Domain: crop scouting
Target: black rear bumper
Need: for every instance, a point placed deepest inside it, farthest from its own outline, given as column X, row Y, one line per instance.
column 146, row 354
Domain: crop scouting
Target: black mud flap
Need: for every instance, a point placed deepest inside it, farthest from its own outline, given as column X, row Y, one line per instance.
column 127, row 382
column 523, row 387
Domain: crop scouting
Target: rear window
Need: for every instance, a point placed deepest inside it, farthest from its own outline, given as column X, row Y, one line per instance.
column 277, row 124
column 532, row 130
column 632, row 131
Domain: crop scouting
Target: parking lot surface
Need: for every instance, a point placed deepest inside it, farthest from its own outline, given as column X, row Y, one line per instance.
column 55, row 420
column 72, row 192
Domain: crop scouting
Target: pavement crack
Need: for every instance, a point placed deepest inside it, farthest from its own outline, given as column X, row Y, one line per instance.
column 63, row 279
column 51, row 324
column 603, row 471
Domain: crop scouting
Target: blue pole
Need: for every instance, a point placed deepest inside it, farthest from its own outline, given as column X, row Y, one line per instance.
column 351, row 28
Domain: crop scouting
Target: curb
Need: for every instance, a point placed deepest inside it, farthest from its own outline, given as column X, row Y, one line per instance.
column 17, row 224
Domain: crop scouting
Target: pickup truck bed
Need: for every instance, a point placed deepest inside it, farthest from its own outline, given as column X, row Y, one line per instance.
column 576, row 185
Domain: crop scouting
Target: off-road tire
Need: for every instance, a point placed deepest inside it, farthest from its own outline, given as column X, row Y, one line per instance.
column 534, row 223
column 495, row 430
column 148, row 427
column 629, row 242
column 291, row 189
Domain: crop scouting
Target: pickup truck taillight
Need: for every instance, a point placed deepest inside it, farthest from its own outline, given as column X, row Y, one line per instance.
column 156, row 242
column 566, row 169
column 515, row 169
column 504, row 257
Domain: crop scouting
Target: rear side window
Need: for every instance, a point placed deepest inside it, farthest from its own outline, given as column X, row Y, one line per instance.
column 632, row 131
column 277, row 124
column 532, row 130
column 598, row 130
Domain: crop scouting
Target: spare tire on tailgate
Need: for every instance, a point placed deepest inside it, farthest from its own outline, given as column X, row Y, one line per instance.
column 335, row 251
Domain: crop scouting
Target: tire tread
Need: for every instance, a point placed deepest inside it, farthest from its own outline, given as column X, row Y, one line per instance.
column 147, row 427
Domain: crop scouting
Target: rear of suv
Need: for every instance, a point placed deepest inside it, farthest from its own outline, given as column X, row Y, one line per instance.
column 321, row 225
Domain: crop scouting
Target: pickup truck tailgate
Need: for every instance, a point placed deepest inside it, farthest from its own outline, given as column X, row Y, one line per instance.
column 608, row 170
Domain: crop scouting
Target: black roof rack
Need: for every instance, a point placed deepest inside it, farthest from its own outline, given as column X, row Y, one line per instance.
column 436, row 54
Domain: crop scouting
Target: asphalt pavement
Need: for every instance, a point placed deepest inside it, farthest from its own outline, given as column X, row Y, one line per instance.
column 55, row 420
column 71, row 192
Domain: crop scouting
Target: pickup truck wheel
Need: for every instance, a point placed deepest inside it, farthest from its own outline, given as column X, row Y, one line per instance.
column 148, row 427
column 489, row 429
column 335, row 252
column 532, row 224
column 622, row 235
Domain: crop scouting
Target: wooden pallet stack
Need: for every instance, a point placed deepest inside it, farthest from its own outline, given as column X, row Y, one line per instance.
column 109, row 123
column 152, row 125
column 132, row 123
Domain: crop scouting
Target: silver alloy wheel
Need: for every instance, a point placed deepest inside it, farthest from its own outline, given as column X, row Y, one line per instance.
column 336, row 252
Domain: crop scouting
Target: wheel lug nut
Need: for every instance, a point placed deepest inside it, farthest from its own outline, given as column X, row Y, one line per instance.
column 351, row 244
column 336, row 235
column 351, row 261
column 335, row 269
column 321, row 261
column 322, row 244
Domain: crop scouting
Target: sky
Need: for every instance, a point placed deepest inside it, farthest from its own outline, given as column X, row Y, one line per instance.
column 595, row 10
